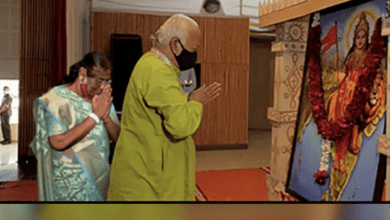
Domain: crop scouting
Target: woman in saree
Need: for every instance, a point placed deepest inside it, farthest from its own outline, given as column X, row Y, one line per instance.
column 75, row 122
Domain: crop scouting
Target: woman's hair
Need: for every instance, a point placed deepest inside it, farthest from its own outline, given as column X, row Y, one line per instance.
column 92, row 62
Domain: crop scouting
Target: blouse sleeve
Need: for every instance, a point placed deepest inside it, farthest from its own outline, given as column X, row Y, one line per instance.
column 58, row 118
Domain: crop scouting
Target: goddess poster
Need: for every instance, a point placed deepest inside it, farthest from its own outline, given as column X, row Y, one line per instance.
column 342, row 109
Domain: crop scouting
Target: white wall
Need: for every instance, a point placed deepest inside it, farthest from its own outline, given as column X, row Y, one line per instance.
column 77, row 30
column 9, row 52
column 9, row 68
column 230, row 7
column 85, row 8
column 9, row 39
column 250, row 8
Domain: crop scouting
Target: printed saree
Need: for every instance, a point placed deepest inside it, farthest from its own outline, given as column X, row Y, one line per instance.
column 60, row 176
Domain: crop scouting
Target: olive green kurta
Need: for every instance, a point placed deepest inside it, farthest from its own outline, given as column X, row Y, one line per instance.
column 154, row 157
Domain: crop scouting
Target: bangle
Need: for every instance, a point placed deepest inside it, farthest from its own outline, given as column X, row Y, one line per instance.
column 94, row 117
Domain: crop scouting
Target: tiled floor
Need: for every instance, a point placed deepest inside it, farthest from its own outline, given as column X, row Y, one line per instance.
column 258, row 154
column 8, row 162
column 8, row 153
column 11, row 169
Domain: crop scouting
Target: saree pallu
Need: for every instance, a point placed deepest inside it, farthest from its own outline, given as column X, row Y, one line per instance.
column 84, row 177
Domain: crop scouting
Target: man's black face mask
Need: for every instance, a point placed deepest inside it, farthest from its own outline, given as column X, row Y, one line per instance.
column 185, row 59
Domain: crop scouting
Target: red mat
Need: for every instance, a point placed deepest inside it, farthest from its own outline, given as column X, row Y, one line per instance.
column 233, row 185
column 214, row 185
column 237, row 185
column 25, row 190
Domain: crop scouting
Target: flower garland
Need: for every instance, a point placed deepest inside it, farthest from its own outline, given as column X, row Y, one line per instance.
column 339, row 127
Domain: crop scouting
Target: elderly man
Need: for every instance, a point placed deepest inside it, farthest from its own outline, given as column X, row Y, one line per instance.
column 154, row 157
column 5, row 113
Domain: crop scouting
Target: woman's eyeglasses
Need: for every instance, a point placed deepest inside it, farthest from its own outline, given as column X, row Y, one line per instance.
column 103, row 82
column 108, row 82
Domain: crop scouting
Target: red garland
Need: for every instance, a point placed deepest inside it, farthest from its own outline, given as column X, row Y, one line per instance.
column 338, row 128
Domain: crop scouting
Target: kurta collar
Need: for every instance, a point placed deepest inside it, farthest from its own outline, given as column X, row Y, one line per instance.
column 166, row 60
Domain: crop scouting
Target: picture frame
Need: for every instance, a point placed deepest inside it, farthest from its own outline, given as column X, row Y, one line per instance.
column 347, row 167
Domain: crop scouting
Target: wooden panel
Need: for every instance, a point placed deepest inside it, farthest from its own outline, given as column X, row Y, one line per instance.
column 296, row 11
column 243, row 97
column 199, row 20
column 209, row 42
column 219, row 35
column 219, row 109
column 147, row 32
column 232, row 51
column 205, row 125
column 35, row 64
column 244, row 42
column 107, row 24
column 225, row 120
column 224, row 58
column 222, row 147
column 225, row 40
column 114, row 22
column 233, row 94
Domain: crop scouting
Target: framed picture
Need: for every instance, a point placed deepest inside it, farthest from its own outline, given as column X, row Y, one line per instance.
column 342, row 107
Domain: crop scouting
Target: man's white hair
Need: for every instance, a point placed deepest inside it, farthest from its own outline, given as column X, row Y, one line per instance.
column 172, row 28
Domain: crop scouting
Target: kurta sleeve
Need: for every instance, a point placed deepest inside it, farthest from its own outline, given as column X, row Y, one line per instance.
column 181, row 117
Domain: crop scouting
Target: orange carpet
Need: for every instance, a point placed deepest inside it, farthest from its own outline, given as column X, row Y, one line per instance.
column 236, row 185
column 23, row 191
column 214, row 185
column 233, row 185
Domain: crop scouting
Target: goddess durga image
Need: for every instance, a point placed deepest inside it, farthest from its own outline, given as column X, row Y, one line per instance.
column 348, row 79
column 342, row 109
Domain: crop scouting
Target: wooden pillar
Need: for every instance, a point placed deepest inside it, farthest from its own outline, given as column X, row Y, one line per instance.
column 290, row 50
column 384, row 140
column 35, row 64
column 74, row 21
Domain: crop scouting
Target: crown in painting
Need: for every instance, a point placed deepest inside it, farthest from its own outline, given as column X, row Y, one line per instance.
column 362, row 24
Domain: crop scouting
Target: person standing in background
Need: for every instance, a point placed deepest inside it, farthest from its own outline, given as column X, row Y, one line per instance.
column 5, row 113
